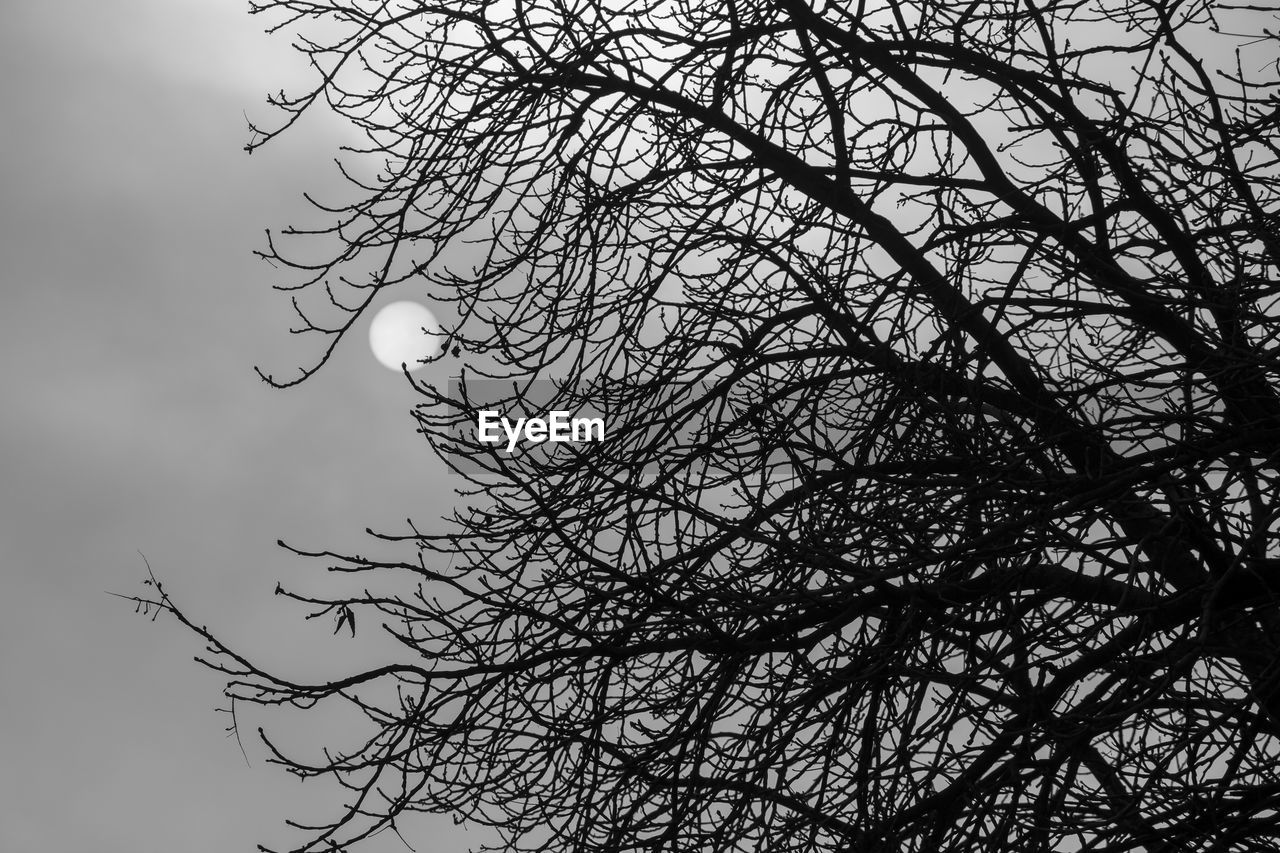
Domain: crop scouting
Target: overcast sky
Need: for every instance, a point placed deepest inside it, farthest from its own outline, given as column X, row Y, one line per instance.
column 133, row 315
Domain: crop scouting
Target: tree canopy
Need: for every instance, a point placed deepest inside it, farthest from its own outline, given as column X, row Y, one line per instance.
column 938, row 508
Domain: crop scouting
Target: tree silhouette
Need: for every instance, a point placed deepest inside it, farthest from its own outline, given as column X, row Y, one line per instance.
column 938, row 507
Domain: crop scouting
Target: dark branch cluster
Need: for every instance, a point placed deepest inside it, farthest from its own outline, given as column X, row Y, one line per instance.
column 938, row 509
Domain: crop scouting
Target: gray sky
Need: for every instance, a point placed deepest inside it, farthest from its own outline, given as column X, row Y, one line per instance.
column 132, row 316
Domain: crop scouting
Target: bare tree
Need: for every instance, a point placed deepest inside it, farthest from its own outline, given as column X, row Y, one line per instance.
column 938, row 509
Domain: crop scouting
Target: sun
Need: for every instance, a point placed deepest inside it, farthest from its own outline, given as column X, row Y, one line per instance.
column 405, row 333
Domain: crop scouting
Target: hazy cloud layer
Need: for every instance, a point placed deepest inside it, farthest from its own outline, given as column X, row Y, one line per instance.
column 132, row 316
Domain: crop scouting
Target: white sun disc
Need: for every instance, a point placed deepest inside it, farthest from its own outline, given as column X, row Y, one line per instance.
column 405, row 333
